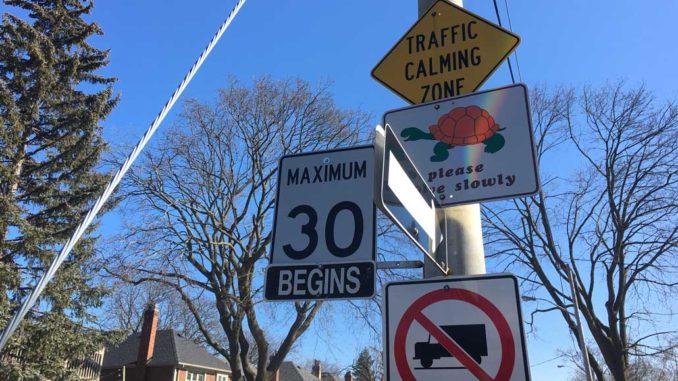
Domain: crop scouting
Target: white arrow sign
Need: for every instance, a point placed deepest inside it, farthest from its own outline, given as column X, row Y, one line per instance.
column 407, row 200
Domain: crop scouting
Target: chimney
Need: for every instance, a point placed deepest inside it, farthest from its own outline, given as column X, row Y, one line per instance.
column 147, row 338
column 317, row 371
column 348, row 376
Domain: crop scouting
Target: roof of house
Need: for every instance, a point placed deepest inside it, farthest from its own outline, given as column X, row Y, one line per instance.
column 290, row 371
column 330, row 377
column 170, row 349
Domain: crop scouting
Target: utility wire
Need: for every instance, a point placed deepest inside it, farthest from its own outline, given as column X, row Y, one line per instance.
column 508, row 59
column 35, row 293
column 515, row 52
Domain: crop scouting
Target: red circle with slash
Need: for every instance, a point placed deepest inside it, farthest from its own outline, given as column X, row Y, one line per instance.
column 414, row 313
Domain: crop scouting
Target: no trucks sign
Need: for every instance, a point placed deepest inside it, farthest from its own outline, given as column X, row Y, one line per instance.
column 447, row 52
column 457, row 328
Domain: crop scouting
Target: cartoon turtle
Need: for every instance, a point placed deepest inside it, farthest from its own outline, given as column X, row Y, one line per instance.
column 460, row 127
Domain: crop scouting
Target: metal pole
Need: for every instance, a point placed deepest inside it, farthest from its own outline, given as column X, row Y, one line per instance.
column 580, row 331
column 463, row 232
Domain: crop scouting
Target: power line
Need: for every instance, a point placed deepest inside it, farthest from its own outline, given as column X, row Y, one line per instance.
column 66, row 249
column 508, row 16
column 496, row 10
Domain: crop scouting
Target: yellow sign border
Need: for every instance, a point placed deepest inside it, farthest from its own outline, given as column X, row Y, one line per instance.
column 427, row 13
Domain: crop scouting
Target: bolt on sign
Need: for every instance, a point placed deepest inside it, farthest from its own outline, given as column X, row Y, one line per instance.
column 449, row 51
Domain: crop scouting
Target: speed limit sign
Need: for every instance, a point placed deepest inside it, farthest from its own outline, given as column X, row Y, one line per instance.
column 324, row 231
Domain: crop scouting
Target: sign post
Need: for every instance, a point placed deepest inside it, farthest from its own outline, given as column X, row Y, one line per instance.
column 461, row 327
column 323, row 243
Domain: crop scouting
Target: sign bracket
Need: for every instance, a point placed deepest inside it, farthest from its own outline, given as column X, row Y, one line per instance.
column 395, row 265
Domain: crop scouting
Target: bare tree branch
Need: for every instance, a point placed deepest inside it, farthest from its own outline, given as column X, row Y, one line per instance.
column 613, row 221
column 203, row 200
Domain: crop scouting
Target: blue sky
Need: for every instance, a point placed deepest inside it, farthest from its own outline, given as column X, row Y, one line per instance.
column 153, row 43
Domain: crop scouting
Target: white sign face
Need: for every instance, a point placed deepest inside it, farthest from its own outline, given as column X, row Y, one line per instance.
column 407, row 200
column 457, row 328
column 324, row 233
column 473, row 148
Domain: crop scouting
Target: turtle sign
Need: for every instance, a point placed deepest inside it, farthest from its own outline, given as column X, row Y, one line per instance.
column 473, row 148
column 323, row 244
column 447, row 52
column 460, row 328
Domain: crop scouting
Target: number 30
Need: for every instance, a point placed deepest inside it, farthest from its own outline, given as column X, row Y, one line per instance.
column 309, row 229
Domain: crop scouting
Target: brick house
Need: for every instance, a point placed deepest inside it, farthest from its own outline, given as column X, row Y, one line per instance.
column 161, row 355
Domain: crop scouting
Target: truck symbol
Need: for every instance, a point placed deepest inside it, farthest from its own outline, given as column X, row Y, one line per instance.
column 470, row 337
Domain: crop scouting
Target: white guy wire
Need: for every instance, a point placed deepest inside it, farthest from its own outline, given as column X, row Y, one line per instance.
column 35, row 293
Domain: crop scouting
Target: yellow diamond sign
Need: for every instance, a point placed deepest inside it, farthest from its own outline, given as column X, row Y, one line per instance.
column 447, row 52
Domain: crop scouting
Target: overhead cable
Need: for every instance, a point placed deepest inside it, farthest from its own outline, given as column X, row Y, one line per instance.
column 515, row 53
column 496, row 10
column 47, row 276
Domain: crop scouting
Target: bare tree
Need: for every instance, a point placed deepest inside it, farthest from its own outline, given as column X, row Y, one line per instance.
column 203, row 201
column 663, row 367
column 126, row 304
column 613, row 222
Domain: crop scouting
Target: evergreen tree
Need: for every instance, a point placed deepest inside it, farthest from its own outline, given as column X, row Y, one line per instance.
column 51, row 103
column 363, row 367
